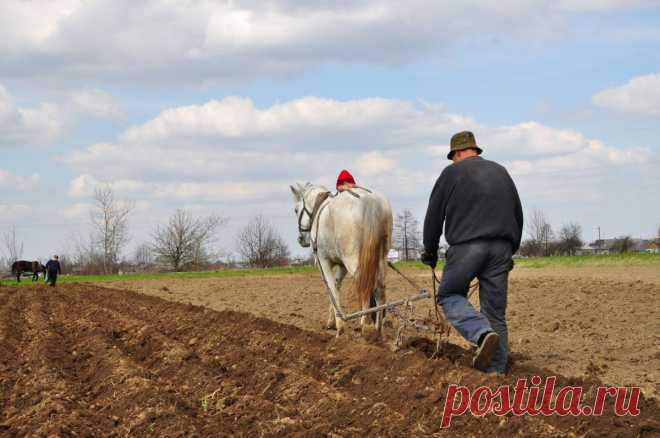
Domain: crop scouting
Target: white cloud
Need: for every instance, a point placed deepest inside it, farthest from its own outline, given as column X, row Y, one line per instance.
column 374, row 163
column 41, row 124
column 232, row 151
column 97, row 103
column 46, row 122
column 10, row 182
column 641, row 95
column 12, row 212
column 78, row 210
column 233, row 141
column 84, row 185
column 303, row 119
column 220, row 192
column 595, row 155
column 534, row 139
column 243, row 39
column 599, row 5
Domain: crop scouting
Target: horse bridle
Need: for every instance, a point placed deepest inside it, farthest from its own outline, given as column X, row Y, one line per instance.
column 319, row 200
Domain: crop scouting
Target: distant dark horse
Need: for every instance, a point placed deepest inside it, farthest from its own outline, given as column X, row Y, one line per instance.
column 21, row 266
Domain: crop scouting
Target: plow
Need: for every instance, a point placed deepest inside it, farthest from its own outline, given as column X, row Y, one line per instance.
column 422, row 294
column 404, row 311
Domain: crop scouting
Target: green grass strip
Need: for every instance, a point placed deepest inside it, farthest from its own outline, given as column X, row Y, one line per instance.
column 627, row 259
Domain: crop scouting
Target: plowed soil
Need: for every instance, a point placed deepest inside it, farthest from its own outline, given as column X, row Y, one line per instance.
column 574, row 321
column 82, row 360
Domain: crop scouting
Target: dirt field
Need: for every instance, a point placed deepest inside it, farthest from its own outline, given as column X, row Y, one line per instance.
column 88, row 360
column 569, row 320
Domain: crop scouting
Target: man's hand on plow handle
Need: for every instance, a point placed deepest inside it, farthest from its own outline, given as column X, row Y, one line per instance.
column 430, row 258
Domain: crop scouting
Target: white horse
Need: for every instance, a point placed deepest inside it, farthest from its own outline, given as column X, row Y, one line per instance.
column 349, row 232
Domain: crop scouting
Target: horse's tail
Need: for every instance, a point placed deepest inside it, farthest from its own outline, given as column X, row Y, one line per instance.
column 14, row 268
column 373, row 250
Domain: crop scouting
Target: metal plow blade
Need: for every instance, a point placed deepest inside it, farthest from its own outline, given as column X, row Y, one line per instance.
column 423, row 293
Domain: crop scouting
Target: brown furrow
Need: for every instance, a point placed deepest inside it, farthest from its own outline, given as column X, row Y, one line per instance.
column 12, row 325
column 90, row 360
column 104, row 359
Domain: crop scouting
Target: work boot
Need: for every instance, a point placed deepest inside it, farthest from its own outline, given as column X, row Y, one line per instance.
column 490, row 342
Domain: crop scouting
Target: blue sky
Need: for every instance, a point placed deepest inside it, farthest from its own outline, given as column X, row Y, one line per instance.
column 217, row 106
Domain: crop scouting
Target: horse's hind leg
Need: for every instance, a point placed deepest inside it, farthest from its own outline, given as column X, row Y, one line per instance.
column 330, row 279
column 339, row 273
column 331, row 324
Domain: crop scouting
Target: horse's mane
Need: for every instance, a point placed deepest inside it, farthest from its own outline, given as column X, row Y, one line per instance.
column 309, row 186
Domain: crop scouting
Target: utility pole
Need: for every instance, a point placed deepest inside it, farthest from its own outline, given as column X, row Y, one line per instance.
column 405, row 238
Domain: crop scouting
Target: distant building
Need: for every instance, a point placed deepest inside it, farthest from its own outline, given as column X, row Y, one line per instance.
column 393, row 256
column 653, row 247
column 598, row 247
column 608, row 246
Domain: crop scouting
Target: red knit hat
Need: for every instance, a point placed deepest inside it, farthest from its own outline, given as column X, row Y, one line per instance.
column 345, row 177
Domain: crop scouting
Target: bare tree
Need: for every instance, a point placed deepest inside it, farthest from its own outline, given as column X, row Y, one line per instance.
column 260, row 245
column 64, row 263
column 13, row 247
column 570, row 238
column 84, row 256
column 406, row 235
column 539, row 232
column 110, row 224
column 622, row 244
column 184, row 242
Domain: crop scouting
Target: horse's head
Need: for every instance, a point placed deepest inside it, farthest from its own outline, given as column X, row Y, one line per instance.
column 306, row 200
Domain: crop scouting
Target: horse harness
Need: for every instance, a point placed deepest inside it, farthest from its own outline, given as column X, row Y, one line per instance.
column 319, row 205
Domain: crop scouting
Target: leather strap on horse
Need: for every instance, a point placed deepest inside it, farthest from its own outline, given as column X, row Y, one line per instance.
column 316, row 213
column 312, row 214
column 318, row 205
column 358, row 187
column 319, row 200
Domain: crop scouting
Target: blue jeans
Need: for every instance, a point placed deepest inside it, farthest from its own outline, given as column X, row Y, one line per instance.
column 490, row 262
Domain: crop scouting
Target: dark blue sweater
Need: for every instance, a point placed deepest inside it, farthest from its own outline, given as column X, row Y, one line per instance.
column 53, row 267
column 474, row 198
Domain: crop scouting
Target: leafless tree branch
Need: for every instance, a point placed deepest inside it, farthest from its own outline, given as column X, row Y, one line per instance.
column 260, row 245
column 406, row 237
column 109, row 221
column 184, row 242
column 13, row 248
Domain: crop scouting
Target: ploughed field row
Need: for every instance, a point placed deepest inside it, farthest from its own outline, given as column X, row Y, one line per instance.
column 599, row 321
column 85, row 360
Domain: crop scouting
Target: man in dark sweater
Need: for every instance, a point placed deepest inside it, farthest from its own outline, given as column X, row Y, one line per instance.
column 53, row 268
column 478, row 204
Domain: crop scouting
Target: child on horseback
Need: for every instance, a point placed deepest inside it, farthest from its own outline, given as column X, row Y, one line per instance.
column 345, row 181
